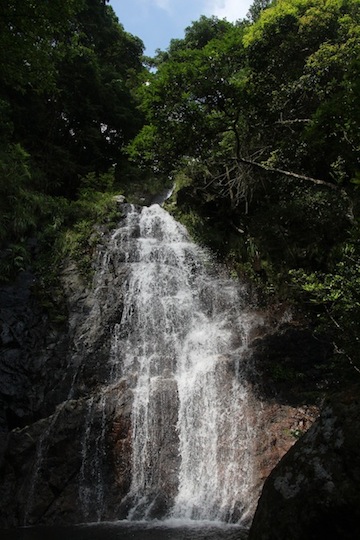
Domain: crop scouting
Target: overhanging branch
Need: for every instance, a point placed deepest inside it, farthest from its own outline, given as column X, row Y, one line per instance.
column 289, row 173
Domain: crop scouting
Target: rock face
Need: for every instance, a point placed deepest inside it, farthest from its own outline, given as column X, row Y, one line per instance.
column 314, row 490
column 27, row 343
column 65, row 420
column 53, row 432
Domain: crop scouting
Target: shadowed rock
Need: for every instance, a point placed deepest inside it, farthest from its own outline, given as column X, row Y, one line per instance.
column 314, row 492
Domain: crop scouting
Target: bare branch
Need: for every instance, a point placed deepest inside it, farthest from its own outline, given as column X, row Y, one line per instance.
column 289, row 173
column 340, row 351
column 294, row 121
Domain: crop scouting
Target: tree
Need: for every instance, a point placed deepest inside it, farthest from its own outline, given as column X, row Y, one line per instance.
column 68, row 71
column 259, row 123
column 192, row 101
column 257, row 8
column 68, row 87
column 303, row 60
column 31, row 34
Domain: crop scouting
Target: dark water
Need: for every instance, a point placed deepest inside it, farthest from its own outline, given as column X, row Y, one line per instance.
column 129, row 531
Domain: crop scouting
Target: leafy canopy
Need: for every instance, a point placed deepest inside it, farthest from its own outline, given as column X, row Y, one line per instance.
column 258, row 122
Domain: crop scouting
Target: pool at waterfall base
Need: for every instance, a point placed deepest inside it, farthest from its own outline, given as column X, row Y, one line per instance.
column 131, row 530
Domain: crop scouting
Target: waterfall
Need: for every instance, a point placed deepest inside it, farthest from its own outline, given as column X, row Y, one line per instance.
column 180, row 345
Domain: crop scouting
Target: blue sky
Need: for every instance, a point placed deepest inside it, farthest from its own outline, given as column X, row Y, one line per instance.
column 156, row 22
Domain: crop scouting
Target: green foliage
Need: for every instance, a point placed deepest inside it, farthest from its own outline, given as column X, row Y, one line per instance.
column 31, row 38
column 14, row 259
column 142, row 149
column 95, row 207
column 304, row 62
column 68, row 73
column 19, row 205
column 258, row 123
column 257, row 8
column 23, row 212
column 250, row 91
column 336, row 297
column 194, row 91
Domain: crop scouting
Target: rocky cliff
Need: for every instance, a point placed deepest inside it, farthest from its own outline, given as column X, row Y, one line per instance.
column 66, row 432
column 52, row 406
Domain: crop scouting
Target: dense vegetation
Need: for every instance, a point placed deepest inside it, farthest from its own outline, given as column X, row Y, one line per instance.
column 257, row 123
column 67, row 74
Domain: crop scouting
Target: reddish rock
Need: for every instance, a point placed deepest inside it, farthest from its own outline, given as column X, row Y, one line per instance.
column 313, row 492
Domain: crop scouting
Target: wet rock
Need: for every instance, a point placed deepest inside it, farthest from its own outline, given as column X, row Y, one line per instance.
column 43, row 429
column 28, row 340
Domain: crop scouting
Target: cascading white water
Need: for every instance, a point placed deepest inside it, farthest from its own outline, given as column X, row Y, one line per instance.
column 180, row 345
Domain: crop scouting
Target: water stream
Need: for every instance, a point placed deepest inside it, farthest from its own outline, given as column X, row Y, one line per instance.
column 181, row 343
column 127, row 530
column 180, row 348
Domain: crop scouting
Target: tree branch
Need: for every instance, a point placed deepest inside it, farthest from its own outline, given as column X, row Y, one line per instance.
column 288, row 173
column 293, row 121
column 340, row 351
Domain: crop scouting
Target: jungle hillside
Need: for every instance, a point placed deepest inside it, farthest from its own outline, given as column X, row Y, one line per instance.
column 256, row 124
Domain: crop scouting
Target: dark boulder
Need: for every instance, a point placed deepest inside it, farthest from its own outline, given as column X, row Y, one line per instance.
column 313, row 492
